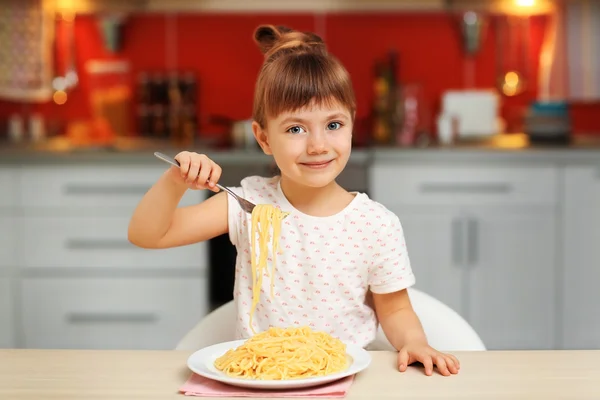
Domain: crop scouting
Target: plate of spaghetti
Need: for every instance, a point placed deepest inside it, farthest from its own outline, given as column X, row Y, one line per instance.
column 280, row 358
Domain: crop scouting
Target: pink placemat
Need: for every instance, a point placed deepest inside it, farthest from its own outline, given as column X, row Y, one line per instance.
column 200, row 386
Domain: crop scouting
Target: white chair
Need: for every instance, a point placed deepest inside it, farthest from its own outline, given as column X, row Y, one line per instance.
column 446, row 330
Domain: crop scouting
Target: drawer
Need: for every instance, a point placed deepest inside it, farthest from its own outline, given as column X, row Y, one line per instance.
column 7, row 334
column 9, row 194
column 423, row 185
column 111, row 313
column 8, row 242
column 92, row 186
column 95, row 242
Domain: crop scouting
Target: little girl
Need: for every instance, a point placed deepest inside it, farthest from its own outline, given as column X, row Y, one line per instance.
column 344, row 267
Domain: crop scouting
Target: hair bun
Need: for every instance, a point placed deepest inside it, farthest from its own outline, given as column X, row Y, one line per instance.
column 271, row 39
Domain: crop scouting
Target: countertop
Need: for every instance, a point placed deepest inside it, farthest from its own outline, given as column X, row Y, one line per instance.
column 501, row 149
column 129, row 375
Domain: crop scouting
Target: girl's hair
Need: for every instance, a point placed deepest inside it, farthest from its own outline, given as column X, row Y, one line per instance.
column 297, row 69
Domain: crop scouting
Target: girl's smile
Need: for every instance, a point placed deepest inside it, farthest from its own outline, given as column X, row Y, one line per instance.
column 317, row 164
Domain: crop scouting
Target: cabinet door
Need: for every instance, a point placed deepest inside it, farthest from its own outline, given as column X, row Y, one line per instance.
column 132, row 313
column 9, row 192
column 477, row 185
column 6, row 315
column 91, row 187
column 97, row 242
column 8, row 242
column 581, row 274
column 436, row 252
column 512, row 259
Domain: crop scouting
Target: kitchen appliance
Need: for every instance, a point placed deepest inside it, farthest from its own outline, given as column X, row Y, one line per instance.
column 475, row 113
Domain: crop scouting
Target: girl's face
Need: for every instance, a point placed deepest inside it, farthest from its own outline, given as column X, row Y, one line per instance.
column 311, row 146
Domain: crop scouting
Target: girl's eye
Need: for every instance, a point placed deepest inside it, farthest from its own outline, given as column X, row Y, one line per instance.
column 295, row 130
column 334, row 126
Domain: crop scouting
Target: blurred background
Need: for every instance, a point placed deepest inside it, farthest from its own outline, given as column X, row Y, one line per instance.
column 478, row 124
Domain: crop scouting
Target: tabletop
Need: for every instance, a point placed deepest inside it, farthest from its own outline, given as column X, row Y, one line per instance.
column 28, row 374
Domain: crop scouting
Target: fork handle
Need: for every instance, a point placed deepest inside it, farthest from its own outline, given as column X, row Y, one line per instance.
column 231, row 192
column 166, row 158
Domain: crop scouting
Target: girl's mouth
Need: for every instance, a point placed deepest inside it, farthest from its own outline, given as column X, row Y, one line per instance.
column 317, row 164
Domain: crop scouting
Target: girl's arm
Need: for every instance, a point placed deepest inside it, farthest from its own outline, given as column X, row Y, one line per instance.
column 389, row 276
column 403, row 329
column 398, row 320
column 157, row 222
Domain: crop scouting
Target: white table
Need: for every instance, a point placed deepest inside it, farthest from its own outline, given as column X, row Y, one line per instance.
column 128, row 375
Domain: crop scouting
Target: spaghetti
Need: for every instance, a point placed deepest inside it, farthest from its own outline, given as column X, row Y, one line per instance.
column 285, row 354
column 264, row 217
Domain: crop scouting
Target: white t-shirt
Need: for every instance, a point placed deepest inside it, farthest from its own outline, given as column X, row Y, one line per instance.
column 327, row 267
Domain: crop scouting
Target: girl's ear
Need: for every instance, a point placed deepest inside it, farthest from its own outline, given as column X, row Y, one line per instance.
column 261, row 138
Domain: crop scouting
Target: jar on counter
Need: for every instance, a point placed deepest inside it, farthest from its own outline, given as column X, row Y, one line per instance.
column 110, row 94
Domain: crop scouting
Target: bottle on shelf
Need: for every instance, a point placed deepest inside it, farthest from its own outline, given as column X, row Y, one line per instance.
column 167, row 106
column 387, row 108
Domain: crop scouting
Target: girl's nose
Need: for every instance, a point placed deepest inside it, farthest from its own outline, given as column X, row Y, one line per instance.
column 317, row 142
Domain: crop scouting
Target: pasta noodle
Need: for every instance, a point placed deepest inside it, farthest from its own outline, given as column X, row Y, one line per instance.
column 264, row 217
column 285, row 354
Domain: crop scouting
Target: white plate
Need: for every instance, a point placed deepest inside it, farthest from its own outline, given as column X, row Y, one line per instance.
column 202, row 363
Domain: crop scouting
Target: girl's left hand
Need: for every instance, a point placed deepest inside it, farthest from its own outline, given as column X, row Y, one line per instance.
column 446, row 364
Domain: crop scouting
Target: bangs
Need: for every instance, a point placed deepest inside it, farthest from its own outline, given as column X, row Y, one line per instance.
column 303, row 80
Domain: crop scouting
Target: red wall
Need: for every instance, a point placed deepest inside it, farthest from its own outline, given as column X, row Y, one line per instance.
column 220, row 49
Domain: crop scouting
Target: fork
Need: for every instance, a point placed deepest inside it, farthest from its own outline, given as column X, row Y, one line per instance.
column 245, row 204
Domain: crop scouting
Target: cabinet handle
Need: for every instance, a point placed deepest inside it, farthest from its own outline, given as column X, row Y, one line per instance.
column 112, row 189
column 473, row 235
column 465, row 188
column 111, row 318
column 458, row 244
column 98, row 244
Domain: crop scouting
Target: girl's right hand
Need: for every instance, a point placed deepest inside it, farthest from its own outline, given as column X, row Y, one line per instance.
column 196, row 171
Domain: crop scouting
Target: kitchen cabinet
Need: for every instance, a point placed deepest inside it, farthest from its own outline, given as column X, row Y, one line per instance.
column 81, row 283
column 82, row 222
column 434, row 251
column 9, row 193
column 97, row 187
column 511, row 259
column 581, row 258
column 8, row 258
column 423, row 185
column 483, row 241
column 8, row 241
column 7, row 327
column 97, row 242
column 106, row 313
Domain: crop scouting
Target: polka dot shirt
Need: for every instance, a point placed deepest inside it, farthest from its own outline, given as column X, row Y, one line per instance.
column 326, row 268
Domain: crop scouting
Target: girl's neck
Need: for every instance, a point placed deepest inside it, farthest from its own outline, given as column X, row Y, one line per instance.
column 317, row 202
